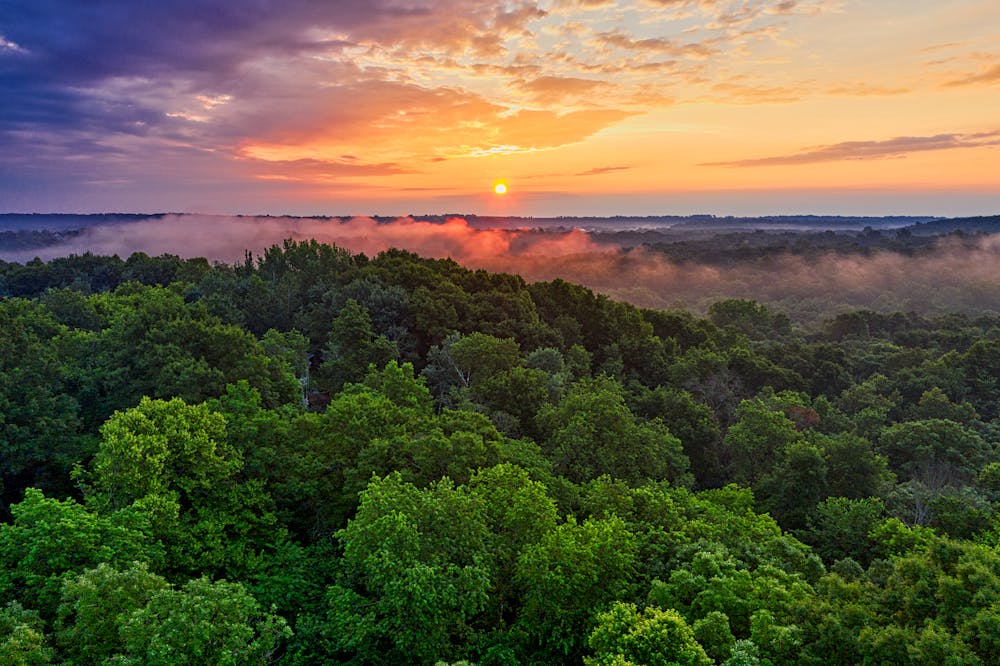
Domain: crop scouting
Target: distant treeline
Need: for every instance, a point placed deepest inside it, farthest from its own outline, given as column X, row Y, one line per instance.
column 679, row 223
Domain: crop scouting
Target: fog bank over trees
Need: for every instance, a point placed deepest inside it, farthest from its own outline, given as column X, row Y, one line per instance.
column 808, row 266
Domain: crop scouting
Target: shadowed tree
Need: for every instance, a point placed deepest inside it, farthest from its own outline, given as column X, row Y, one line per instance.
column 351, row 347
column 591, row 432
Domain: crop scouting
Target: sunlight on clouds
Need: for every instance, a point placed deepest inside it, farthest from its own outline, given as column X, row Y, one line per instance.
column 9, row 46
column 436, row 96
column 212, row 101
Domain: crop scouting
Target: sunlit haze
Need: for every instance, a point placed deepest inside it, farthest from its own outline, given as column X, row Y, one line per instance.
column 581, row 107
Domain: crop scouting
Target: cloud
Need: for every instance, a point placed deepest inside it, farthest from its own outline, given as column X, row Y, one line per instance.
column 82, row 42
column 990, row 75
column 548, row 89
column 317, row 170
column 597, row 171
column 390, row 122
column 543, row 129
column 621, row 40
column 862, row 89
column 734, row 11
column 866, row 150
column 170, row 96
column 71, row 50
column 273, row 89
column 584, row 4
column 9, row 47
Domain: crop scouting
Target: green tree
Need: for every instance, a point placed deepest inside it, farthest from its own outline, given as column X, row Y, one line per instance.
column 840, row 528
column 160, row 446
column 518, row 513
column 797, row 484
column 981, row 366
column 750, row 318
column 287, row 277
column 400, row 384
column 756, row 440
column 854, row 470
column 157, row 345
column 569, row 576
column 416, row 574
column 936, row 452
column 592, row 432
column 869, row 404
column 745, row 653
column 713, row 632
column 39, row 417
column 935, row 404
column 717, row 582
column 203, row 622
column 692, row 422
column 463, row 361
column 519, row 392
column 351, row 347
column 50, row 540
column 654, row 637
column 173, row 463
column 93, row 606
column 22, row 637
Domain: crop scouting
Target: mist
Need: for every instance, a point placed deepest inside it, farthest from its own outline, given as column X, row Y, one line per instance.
column 955, row 276
column 226, row 239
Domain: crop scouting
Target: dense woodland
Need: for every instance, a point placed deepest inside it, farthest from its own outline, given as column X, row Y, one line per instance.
column 809, row 275
column 317, row 457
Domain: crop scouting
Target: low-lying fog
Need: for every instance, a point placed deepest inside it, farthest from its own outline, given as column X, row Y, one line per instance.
column 954, row 276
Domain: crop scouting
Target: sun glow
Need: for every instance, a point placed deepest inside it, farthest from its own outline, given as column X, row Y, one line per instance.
column 500, row 187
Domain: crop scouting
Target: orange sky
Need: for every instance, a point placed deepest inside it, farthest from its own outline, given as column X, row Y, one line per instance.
column 581, row 106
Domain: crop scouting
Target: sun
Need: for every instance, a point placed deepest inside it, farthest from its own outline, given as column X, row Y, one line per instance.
column 500, row 187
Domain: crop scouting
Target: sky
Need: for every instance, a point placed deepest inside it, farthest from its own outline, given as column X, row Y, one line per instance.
column 582, row 107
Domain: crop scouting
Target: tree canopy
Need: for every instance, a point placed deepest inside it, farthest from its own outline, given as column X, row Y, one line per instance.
column 318, row 457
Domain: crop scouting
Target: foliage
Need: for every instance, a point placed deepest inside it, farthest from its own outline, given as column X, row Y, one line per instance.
column 654, row 636
column 591, row 432
column 412, row 462
column 203, row 621
column 50, row 540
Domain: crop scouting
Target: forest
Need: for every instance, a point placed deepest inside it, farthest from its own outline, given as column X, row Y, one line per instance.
column 319, row 457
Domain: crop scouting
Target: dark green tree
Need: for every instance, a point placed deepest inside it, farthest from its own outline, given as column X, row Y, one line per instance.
column 591, row 432
column 351, row 347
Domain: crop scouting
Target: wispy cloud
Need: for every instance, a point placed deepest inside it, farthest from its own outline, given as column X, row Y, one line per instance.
column 621, row 40
column 556, row 88
column 864, row 89
column 868, row 150
column 597, row 171
column 989, row 75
